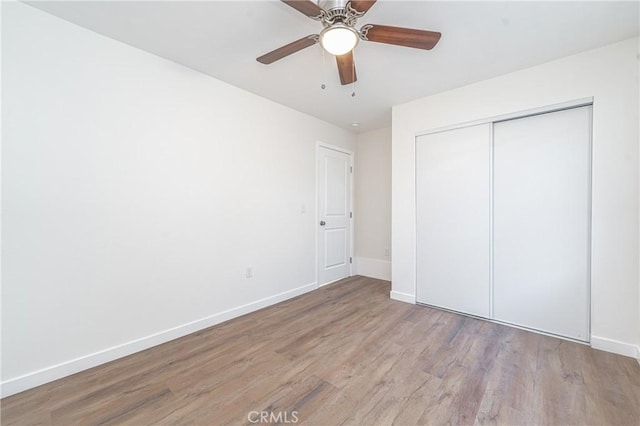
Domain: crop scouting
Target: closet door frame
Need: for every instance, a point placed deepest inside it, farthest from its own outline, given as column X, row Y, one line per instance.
column 576, row 103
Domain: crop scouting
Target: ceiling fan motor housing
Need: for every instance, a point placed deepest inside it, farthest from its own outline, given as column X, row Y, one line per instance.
column 332, row 4
column 337, row 11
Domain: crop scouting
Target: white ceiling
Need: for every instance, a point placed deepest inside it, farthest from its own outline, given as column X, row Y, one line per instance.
column 479, row 40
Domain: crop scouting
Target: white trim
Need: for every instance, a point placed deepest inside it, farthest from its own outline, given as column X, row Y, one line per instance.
column 403, row 297
column 415, row 221
column 491, row 220
column 373, row 268
column 576, row 103
column 334, row 147
column 54, row 372
column 615, row 346
column 330, row 282
column 352, row 228
column 638, row 354
column 590, row 246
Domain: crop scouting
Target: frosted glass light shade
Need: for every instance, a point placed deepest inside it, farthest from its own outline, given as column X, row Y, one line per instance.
column 338, row 39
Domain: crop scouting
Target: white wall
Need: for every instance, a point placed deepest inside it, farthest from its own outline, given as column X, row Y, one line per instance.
column 610, row 76
column 373, row 204
column 135, row 192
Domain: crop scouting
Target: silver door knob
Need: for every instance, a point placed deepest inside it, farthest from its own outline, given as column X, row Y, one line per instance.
column 323, row 223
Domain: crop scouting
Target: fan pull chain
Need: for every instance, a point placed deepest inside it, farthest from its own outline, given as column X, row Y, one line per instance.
column 353, row 78
column 322, row 85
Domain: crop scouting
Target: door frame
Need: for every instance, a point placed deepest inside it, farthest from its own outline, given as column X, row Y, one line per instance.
column 351, row 155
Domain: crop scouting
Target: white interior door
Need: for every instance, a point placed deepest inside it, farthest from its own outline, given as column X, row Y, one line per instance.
column 542, row 221
column 334, row 215
column 453, row 171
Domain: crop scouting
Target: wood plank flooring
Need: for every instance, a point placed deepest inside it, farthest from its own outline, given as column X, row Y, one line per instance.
column 346, row 354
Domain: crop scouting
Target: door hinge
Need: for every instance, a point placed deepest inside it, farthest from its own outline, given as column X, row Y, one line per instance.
column 351, row 169
column 351, row 215
column 351, row 260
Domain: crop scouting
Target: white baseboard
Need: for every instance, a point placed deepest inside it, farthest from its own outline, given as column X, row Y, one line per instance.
column 374, row 268
column 404, row 297
column 638, row 354
column 54, row 372
column 615, row 346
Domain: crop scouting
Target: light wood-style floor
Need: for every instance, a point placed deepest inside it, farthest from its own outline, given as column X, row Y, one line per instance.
column 347, row 354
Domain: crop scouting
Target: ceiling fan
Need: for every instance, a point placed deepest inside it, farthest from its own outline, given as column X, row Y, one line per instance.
column 339, row 36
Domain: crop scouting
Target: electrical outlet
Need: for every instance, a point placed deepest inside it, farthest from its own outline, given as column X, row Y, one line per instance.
column 248, row 272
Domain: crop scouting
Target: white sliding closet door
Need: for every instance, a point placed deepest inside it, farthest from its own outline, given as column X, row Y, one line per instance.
column 453, row 219
column 542, row 221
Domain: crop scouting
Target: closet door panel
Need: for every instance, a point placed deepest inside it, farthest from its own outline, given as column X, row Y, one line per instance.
column 542, row 220
column 453, row 219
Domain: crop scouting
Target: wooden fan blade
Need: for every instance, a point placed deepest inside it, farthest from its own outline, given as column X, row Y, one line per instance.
column 419, row 39
column 362, row 5
column 288, row 49
column 346, row 68
column 305, row 7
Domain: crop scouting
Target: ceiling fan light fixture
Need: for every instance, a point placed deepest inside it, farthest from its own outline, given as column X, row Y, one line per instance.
column 339, row 39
